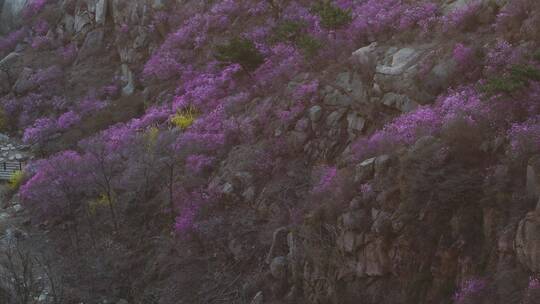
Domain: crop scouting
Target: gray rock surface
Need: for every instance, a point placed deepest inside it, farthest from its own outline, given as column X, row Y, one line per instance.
column 10, row 15
column 278, row 267
column 527, row 241
column 92, row 44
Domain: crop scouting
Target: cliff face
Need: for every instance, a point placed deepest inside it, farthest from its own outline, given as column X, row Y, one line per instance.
column 10, row 14
column 279, row 151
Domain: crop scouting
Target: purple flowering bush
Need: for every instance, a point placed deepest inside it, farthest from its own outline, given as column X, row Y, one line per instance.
column 9, row 42
column 462, row 18
column 40, row 131
column 289, row 39
column 524, row 138
column 67, row 120
column 34, row 7
column 56, row 187
column 532, row 293
column 471, row 291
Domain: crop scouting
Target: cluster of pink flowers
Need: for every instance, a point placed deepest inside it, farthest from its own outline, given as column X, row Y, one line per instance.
column 326, row 178
column 41, row 43
column 40, row 131
column 196, row 163
column 464, row 103
column 461, row 17
column 68, row 53
column 470, row 290
column 502, row 55
column 67, row 120
column 10, row 41
column 63, row 171
column 44, row 127
column 204, row 89
column 34, row 7
column 533, row 291
column 525, row 137
column 464, row 56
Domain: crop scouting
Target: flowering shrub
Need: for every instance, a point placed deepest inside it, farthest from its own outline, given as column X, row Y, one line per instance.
column 40, row 132
column 279, row 66
column 33, row 8
column 373, row 17
column 155, row 115
column 56, row 186
column 48, row 77
column 67, row 120
column 464, row 56
column 68, row 53
column 16, row 180
column 525, row 138
column 462, row 17
column 241, row 51
column 8, row 43
column 464, row 103
column 111, row 90
column 89, row 105
column 326, row 178
column 205, row 89
column 501, row 55
column 402, row 131
column 208, row 134
column 332, row 17
column 184, row 119
column 518, row 16
column 532, row 293
column 41, row 43
column 294, row 31
column 189, row 203
column 184, row 44
column 41, row 27
column 197, row 163
column 307, row 92
column 421, row 15
column 162, row 66
column 471, row 291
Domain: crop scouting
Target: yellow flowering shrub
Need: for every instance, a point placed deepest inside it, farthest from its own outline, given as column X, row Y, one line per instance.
column 15, row 181
column 184, row 118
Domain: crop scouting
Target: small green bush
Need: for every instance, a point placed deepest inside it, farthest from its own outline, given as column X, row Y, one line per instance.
column 506, row 85
column 94, row 205
column 4, row 121
column 288, row 30
column 332, row 17
column 294, row 32
column 517, row 79
column 525, row 72
column 536, row 55
column 308, row 45
column 16, row 180
column 241, row 51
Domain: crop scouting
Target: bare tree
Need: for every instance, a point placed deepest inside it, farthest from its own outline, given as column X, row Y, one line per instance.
column 18, row 274
column 170, row 163
column 26, row 278
column 104, row 166
column 53, row 279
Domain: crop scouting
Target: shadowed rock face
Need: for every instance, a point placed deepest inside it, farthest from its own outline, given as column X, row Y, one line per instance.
column 10, row 13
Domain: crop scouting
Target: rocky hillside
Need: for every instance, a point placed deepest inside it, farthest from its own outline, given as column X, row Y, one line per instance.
column 278, row 151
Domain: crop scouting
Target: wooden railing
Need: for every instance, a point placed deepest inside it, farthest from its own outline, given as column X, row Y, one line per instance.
column 7, row 169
